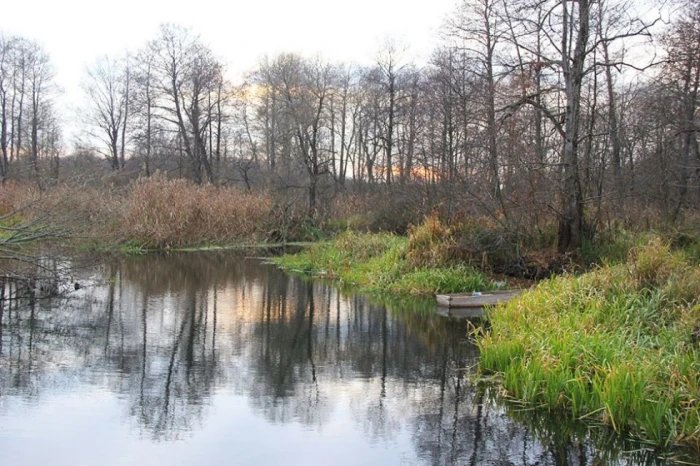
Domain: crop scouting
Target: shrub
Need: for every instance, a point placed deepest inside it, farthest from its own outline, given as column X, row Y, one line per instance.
column 430, row 243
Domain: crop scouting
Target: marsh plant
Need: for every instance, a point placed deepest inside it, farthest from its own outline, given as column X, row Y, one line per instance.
column 618, row 344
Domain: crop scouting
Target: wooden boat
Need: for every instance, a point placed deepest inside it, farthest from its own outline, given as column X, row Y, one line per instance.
column 476, row 300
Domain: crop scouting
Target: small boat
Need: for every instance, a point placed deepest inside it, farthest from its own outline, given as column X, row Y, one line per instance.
column 462, row 312
column 476, row 300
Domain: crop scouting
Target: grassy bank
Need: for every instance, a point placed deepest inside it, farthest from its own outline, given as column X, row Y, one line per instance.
column 619, row 344
column 384, row 263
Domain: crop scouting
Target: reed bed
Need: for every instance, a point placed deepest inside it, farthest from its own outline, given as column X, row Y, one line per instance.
column 160, row 213
column 152, row 213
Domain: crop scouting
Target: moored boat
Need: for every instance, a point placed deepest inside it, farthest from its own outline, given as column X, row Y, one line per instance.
column 476, row 300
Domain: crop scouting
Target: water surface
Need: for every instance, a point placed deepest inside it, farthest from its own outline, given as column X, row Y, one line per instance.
column 215, row 359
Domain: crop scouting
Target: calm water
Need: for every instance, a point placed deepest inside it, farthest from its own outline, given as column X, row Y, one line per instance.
column 214, row 359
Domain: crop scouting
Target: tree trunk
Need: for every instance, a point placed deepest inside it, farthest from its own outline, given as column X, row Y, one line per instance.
column 126, row 116
column 614, row 132
column 571, row 225
column 390, row 127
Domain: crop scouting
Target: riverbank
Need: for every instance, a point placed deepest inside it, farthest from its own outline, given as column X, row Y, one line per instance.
column 383, row 263
column 618, row 344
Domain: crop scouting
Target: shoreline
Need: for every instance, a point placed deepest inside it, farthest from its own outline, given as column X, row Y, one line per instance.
column 566, row 345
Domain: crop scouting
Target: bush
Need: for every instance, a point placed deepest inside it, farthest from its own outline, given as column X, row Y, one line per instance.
column 430, row 243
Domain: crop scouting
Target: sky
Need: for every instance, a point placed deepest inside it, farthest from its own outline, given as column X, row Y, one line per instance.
column 76, row 32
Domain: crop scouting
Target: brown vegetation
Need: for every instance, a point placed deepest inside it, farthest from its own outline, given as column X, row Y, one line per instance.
column 149, row 213
column 159, row 212
column 164, row 213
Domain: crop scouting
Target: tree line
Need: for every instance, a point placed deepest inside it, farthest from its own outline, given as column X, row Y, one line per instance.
column 527, row 111
column 29, row 125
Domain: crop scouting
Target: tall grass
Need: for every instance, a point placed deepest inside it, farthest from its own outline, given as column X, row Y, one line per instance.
column 618, row 345
column 382, row 262
column 160, row 213
column 62, row 211
column 150, row 212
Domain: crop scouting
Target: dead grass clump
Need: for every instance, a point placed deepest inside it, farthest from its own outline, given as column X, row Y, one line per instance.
column 15, row 195
column 60, row 211
column 163, row 213
column 84, row 212
column 652, row 263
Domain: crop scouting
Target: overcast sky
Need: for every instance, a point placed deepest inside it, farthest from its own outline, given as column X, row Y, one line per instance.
column 76, row 32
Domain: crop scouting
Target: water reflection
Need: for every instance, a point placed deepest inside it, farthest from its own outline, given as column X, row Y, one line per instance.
column 206, row 358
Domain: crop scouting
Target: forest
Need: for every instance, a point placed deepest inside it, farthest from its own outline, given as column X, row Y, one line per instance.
column 551, row 121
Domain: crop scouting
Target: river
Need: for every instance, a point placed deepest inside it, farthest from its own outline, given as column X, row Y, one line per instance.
column 219, row 359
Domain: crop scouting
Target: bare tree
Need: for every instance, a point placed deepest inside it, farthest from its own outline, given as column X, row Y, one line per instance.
column 390, row 66
column 40, row 74
column 305, row 87
column 479, row 30
column 106, row 88
column 189, row 80
column 556, row 37
column 682, row 79
column 145, row 99
column 7, row 45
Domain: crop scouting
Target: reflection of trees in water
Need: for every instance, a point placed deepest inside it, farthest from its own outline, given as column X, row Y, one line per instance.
column 159, row 353
column 282, row 354
column 166, row 332
column 174, row 364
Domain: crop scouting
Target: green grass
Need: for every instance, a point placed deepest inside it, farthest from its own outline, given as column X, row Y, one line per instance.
column 617, row 345
column 612, row 246
column 133, row 248
column 378, row 263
